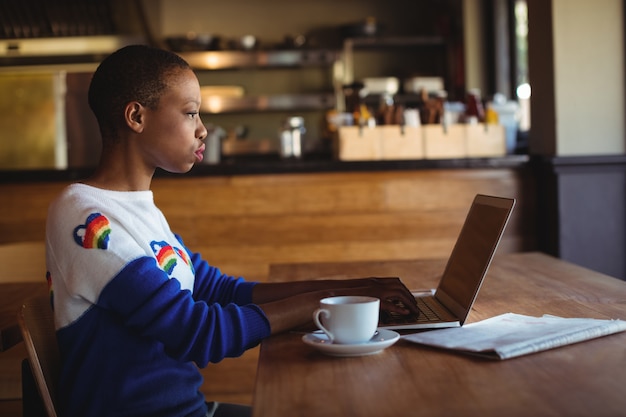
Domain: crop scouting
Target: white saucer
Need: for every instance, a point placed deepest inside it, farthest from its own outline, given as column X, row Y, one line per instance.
column 383, row 339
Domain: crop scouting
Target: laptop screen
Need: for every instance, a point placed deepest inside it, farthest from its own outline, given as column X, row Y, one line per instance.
column 473, row 252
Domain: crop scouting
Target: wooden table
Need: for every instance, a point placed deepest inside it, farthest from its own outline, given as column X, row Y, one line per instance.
column 585, row 379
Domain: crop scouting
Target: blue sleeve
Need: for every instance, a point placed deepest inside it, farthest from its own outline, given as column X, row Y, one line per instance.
column 212, row 286
column 150, row 303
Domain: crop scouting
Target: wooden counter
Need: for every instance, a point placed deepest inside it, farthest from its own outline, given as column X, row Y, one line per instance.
column 244, row 223
column 273, row 164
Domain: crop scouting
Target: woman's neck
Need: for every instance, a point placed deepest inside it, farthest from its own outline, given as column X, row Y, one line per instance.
column 119, row 171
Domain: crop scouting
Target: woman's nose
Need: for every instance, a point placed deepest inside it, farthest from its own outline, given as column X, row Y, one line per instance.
column 202, row 130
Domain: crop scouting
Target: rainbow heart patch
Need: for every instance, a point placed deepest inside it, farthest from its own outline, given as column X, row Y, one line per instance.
column 165, row 256
column 94, row 234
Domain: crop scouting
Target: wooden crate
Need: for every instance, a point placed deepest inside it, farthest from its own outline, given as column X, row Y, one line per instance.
column 485, row 140
column 356, row 143
column 401, row 142
column 444, row 142
column 426, row 142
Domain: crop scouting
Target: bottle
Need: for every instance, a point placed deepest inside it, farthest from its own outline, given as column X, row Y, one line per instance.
column 385, row 113
column 491, row 115
column 474, row 112
column 291, row 135
column 353, row 101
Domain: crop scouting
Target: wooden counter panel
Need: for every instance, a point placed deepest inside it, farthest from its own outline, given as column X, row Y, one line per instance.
column 244, row 223
column 23, row 210
column 331, row 193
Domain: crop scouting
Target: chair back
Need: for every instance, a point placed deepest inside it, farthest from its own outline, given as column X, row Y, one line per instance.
column 36, row 321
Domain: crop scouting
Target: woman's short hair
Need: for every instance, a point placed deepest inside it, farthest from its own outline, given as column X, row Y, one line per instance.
column 132, row 73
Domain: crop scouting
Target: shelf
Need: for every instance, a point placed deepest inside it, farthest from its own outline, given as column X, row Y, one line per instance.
column 351, row 45
column 282, row 102
column 376, row 43
column 401, row 41
column 60, row 52
column 217, row 60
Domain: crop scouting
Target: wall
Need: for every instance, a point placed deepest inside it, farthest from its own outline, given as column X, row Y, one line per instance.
column 576, row 63
column 582, row 211
column 599, row 240
column 576, row 60
column 590, row 90
column 271, row 20
column 474, row 45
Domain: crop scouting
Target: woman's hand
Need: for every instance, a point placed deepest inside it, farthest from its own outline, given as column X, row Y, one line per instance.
column 291, row 304
column 393, row 294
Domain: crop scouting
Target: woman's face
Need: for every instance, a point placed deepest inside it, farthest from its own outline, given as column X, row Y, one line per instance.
column 173, row 133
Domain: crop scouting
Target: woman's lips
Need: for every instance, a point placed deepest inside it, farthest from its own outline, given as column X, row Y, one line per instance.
column 200, row 153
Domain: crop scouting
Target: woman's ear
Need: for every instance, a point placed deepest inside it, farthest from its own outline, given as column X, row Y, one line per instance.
column 134, row 116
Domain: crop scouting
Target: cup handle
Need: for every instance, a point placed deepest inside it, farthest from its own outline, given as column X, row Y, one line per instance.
column 318, row 323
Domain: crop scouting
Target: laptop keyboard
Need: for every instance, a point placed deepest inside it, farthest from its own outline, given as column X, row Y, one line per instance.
column 430, row 311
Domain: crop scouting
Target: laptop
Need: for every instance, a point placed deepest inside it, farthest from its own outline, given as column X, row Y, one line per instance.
column 450, row 303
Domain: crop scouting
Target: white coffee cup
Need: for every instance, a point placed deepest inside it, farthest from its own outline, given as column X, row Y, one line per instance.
column 348, row 319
